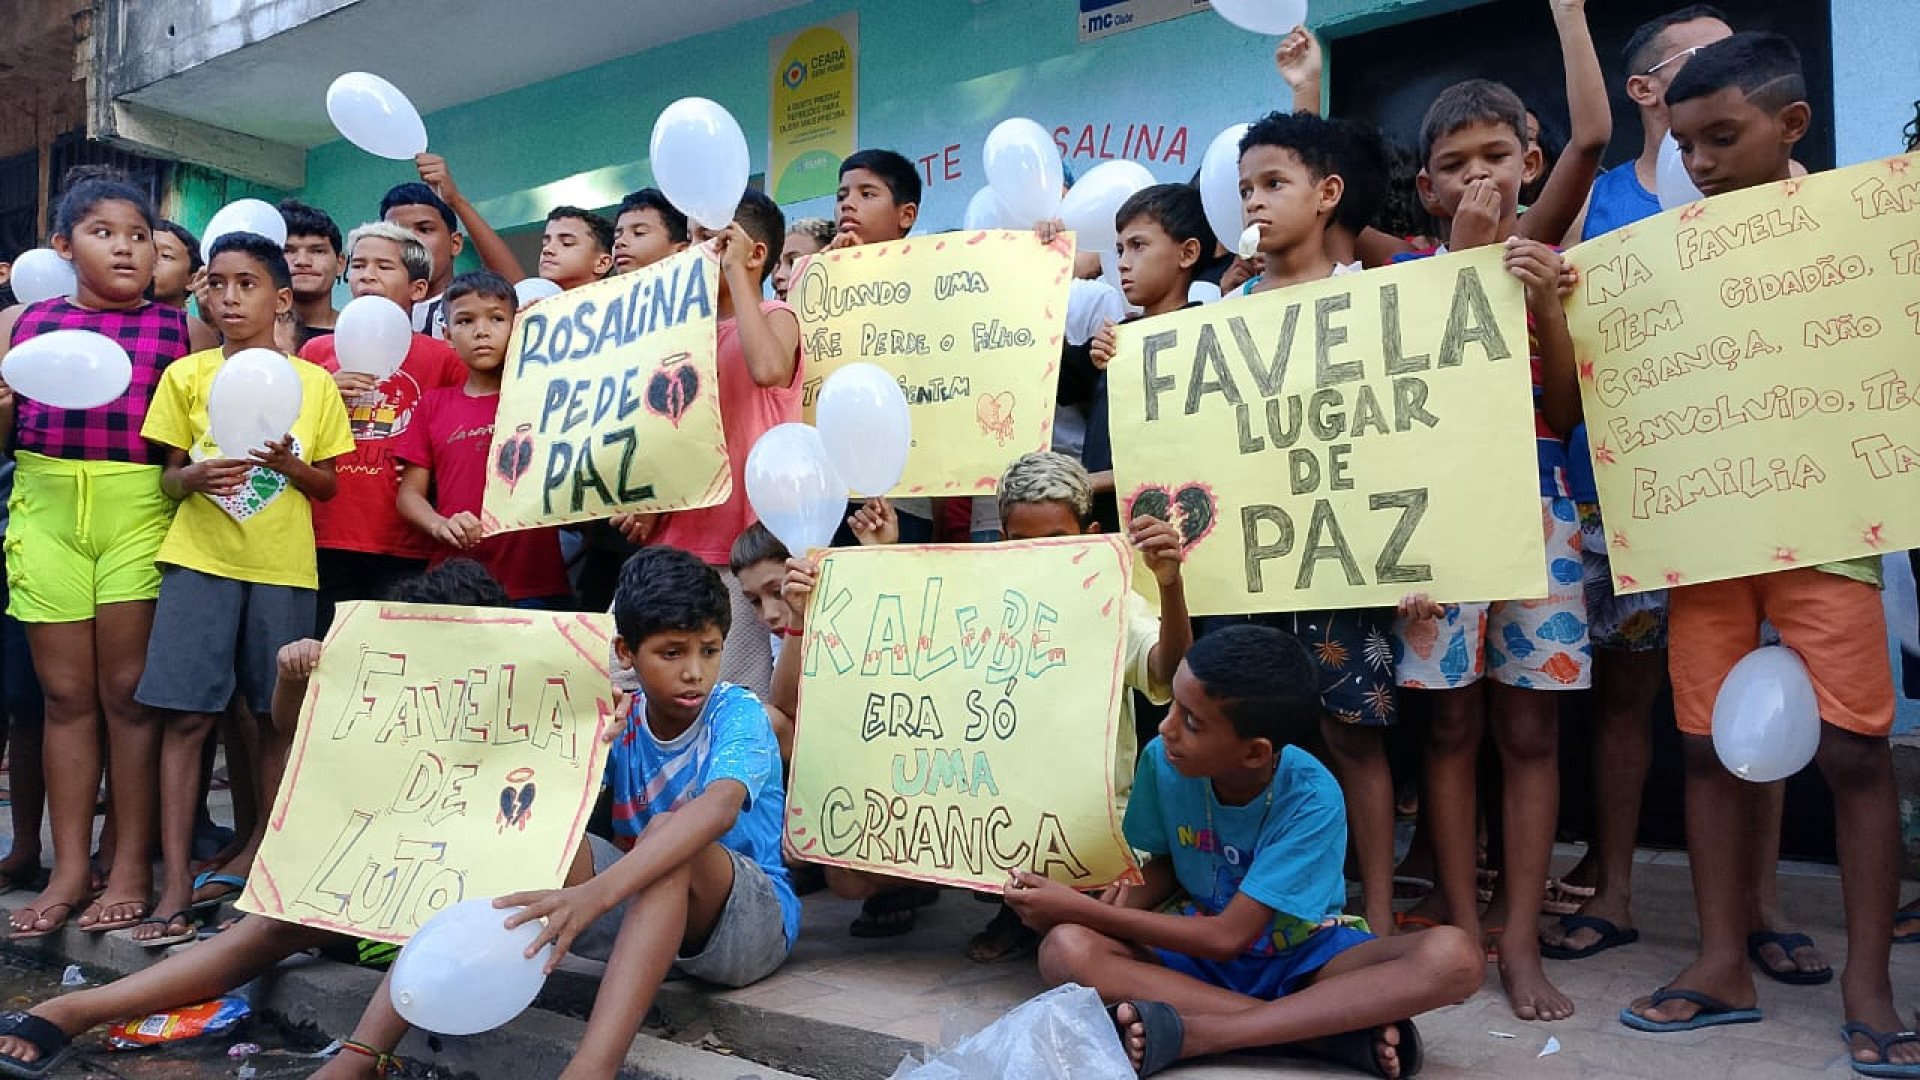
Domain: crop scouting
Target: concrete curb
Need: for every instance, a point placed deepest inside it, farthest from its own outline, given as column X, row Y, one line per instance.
column 327, row 997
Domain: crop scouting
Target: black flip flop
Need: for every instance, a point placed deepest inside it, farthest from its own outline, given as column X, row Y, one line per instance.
column 1355, row 1049
column 1611, row 937
column 1788, row 943
column 1165, row 1032
column 54, row 1045
column 892, row 913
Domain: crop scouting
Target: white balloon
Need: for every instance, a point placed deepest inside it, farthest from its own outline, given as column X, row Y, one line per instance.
column 863, row 423
column 794, row 488
column 41, row 274
column 254, row 400
column 1091, row 204
column 535, row 288
column 464, row 972
column 700, row 160
column 1672, row 185
column 985, row 212
column 1110, row 270
column 1220, row 184
column 244, row 215
column 1023, row 167
column 372, row 114
column 1203, row 292
column 1766, row 721
column 1274, row 17
column 68, row 369
column 372, row 336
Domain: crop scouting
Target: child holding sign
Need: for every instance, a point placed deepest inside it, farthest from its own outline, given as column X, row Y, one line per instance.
column 1236, row 939
column 1737, row 110
column 238, row 574
column 697, row 802
column 1473, row 141
column 365, row 545
column 444, row 454
column 41, row 1038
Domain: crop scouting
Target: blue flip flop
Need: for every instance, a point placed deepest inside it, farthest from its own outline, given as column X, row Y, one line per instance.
column 1611, row 937
column 1788, row 943
column 1883, row 1041
column 1713, row 1013
column 1902, row 916
column 234, row 883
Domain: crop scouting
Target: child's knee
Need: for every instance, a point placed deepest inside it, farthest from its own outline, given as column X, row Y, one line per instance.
column 1453, row 733
column 1853, row 762
column 1354, row 743
column 188, row 727
column 1528, row 740
column 1453, row 960
column 1064, row 953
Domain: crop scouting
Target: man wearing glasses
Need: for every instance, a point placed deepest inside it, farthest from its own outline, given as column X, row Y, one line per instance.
column 1654, row 55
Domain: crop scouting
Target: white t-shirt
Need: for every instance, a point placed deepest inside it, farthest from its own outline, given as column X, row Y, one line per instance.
column 430, row 317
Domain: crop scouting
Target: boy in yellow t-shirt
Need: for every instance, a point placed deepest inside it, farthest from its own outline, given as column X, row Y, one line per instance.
column 238, row 570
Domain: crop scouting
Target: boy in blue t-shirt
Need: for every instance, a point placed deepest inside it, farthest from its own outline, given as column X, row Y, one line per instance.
column 1236, row 939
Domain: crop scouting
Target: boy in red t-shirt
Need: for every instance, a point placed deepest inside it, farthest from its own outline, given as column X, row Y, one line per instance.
column 759, row 358
column 364, row 543
column 443, row 454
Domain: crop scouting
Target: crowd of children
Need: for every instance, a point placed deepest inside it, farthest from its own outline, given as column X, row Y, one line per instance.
column 161, row 587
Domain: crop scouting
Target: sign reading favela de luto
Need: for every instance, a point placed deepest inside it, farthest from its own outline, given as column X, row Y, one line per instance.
column 610, row 402
column 1750, row 372
column 1342, row 443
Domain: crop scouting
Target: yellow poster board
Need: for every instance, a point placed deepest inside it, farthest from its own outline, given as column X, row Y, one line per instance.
column 1751, row 377
column 813, row 108
column 443, row 754
column 1339, row 444
column 958, row 712
column 970, row 323
column 610, row 402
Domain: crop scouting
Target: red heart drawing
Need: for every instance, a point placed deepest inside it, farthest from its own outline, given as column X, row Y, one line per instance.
column 674, row 388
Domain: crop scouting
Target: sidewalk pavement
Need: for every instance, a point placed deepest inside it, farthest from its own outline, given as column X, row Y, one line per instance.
column 845, row 1009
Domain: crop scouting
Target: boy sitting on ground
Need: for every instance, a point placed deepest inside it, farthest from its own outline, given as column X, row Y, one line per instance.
column 1236, row 939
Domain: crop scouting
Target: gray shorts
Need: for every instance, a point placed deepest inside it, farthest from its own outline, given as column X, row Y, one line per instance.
column 213, row 634
column 748, row 943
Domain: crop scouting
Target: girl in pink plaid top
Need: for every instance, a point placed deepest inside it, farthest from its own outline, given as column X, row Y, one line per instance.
column 87, row 519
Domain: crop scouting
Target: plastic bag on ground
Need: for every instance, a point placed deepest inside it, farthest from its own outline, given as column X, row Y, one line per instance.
column 1064, row 1034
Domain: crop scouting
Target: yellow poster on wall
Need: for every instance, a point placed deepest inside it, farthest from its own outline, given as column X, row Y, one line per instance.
column 970, row 324
column 958, row 707
column 610, row 402
column 443, row 754
column 1751, row 377
column 1339, row 444
column 813, row 108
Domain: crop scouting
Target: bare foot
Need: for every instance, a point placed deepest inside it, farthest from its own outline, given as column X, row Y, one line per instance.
column 1385, row 1051
column 1805, row 959
column 23, row 1051
column 1132, row 1031
column 172, row 906
column 1876, row 1011
column 1731, row 985
column 51, row 908
column 1529, row 992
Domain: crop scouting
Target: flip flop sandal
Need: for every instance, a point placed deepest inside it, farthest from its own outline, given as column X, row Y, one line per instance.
column 1355, row 1050
column 891, row 913
column 41, row 915
column 235, row 885
column 1407, row 922
column 191, row 933
column 1713, row 1013
column 1611, row 937
column 53, row 1044
column 1883, row 1041
column 1789, row 944
column 1906, row 915
column 1564, row 899
column 1165, row 1032
column 103, row 926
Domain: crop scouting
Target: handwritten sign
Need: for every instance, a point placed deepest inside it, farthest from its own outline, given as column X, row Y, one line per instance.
column 611, row 402
column 971, row 326
column 958, row 707
column 1748, row 370
column 443, row 753
column 1339, row 444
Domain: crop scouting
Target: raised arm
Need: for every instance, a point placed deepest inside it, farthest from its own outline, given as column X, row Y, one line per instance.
column 493, row 251
column 1300, row 64
column 1564, row 198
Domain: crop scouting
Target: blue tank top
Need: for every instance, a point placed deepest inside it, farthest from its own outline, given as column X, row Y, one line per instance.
column 1617, row 200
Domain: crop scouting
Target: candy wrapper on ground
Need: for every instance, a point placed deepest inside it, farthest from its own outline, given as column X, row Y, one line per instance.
column 179, row 1025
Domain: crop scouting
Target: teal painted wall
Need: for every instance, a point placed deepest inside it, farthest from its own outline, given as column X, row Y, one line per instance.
column 935, row 75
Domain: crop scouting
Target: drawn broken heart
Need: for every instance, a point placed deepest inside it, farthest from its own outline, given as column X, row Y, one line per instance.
column 995, row 414
column 1191, row 510
column 674, row 388
column 515, row 805
column 516, row 456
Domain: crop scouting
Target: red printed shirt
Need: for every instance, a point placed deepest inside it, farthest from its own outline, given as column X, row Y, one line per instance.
column 363, row 515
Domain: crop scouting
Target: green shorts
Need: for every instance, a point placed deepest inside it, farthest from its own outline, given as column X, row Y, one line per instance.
column 81, row 534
